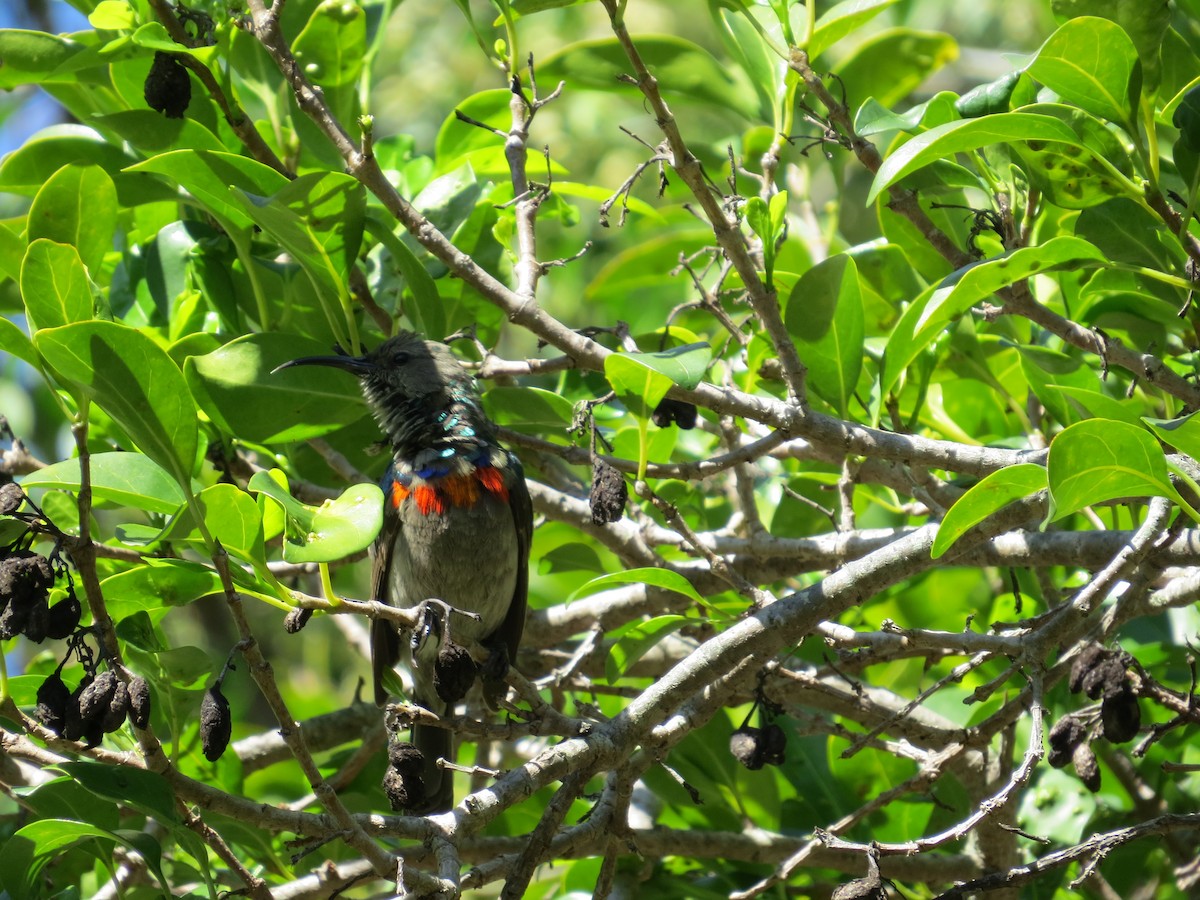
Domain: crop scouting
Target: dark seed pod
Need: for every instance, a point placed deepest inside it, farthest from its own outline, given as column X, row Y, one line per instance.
column 1086, row 767
column 216, row 723
column 25, row 578
column 1063, row 739
column 11, row 498
column 13, row 619
column 453, row 672
column 95, row 701
column 296, row 619
column 64, row 617
column 1082, row 664
column 1106, row 678
column 53, row 698
column 139, row 701
column 168, row 88
column 772, row 742
column 406, row 758
column 404, row 782
column 1121, row 715
column 744, row 745
column 73, row 721
column 118, row 709
column 403, row 792
column 37, row 623
column 680, row 412
column 869, row 888
column 608, row 495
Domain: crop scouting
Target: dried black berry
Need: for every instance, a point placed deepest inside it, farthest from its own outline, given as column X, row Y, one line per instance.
column 1086, row 767
column 37, row 623
column 404, row 782
column 1121, row 715
column 771, row 744
column 53, row 698
column 95, row 701
column 453, row 672
column 608, row 495
column 25, row 577
column 216, row 723
column 1063, row 738
column 64, row 617
column 1083, row 664
column 139, row 701
column 296, row 619
column 73, row 722
column 168, row 88
column 869, row 888
column 118, row 709
column 1106, row 678
column 680, row 412
column 11, row 498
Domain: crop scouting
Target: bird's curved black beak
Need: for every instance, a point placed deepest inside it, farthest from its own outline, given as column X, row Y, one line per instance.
column 356, row 365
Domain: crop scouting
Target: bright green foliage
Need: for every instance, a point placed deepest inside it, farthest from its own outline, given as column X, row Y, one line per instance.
column 899, row 365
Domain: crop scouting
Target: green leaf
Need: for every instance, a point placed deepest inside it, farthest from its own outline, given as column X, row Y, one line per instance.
column 26, row 169
column 874, row 118
column 231, row 516
column 1092, row 63
column 1182, row 433
column 133, row 380
column 54, row 285
column 892, row 64
column 143, row 790
column 767, row 222
column 426, row 311
column 330, row 47
column 927, row 316
column 129, row 479
column 663, row 579
column 1100, row 459
column 32, row 57
column 988, row 99
column 211, row 179
column 842, row 20
column 825, row 317
column 235, row 388
column 1124, row 231
column 332, row 531
column 1187, row 119
column 77, row 206
column 27, row 851
column 528, row 407
column 1145, row 21
column 683, row 69
column 634, row 639
column 158, row 584
column 967, row 134
column 990, row 495
column 13, row 340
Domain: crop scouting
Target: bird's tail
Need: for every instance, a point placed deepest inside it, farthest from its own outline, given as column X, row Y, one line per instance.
column 435, row 744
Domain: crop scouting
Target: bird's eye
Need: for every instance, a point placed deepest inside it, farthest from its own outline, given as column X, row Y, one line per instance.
column 399, row 358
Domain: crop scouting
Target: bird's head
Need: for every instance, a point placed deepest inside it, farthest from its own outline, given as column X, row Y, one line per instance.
column 405, row 380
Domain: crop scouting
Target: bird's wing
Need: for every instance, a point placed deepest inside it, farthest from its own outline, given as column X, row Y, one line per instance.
column 522, row 511
column 385, row 638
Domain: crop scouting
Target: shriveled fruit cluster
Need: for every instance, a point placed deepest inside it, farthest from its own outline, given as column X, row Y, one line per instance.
column 403, row 782
column 216, row 723
column 26, row 578
column 453, row 671
column 762, row 746
column 609, row 493
column 1102, row 675
column 98, row 705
